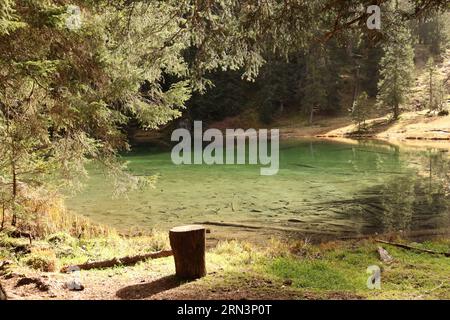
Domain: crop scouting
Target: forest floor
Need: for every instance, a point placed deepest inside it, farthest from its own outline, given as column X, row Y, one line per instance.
column 236, row 270
column 410, row 126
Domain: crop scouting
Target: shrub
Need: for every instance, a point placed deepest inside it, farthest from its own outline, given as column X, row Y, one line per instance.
column 60, row 238
column 360, row 112
column 42, row 260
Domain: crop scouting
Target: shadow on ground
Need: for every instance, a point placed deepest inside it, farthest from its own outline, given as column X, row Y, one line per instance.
column 147, row 290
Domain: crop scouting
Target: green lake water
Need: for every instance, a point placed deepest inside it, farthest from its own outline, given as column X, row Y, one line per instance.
column 322, row 187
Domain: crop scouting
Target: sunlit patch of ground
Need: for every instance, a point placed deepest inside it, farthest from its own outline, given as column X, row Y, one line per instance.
column 410, row 126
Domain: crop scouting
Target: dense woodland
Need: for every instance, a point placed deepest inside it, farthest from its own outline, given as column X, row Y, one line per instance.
column 328, row 77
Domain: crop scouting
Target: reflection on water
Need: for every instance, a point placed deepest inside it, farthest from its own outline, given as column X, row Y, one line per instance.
column 322, row 187
column 415, row 201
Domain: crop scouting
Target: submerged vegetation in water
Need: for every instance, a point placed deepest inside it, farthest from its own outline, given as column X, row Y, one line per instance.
column 314, row 192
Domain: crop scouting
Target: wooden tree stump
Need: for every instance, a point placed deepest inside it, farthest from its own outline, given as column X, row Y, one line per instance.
column 188, row 246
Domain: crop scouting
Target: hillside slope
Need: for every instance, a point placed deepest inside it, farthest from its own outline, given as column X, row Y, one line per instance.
column 415, row 122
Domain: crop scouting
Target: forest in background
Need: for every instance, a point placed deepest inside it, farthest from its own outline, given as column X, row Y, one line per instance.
column 333, row 78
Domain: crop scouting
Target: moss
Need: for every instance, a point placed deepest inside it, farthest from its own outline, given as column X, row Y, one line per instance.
column 42, row 260
column 311, row 274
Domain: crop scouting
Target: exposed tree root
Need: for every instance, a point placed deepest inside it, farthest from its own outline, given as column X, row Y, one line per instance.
column 40, row 284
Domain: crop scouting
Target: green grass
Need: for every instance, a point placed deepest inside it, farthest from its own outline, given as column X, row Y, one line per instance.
column 341, row 267
column 311, row 274
column 68, row 250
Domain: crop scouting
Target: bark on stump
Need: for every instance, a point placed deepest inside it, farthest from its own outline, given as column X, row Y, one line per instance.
column 188, row 246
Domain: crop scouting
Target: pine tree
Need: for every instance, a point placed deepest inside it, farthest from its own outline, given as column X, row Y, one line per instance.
column 314, row 93
column 432, row 31
column 66, row 94
column 435, row 87
column 396, row 67
column 360, row 111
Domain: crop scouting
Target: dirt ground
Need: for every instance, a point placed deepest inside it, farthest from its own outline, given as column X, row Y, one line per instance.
column 411, row 126
column 134, row 285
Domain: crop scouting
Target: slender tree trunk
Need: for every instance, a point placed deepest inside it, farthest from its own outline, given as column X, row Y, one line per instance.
column 14, row 193
column 396, row 111
column 13, row 171
column 431, row 90
column 3, row 218
column 356, row 86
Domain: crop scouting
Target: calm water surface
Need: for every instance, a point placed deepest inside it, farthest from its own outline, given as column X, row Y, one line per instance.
column 336, row 188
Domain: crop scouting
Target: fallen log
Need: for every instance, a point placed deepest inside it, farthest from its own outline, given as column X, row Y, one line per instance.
column 427, row 233
column 407, row 247
column 125, row 261
column 275, row 228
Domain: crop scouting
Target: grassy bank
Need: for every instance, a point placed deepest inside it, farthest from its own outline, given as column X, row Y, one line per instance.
column 293, row 270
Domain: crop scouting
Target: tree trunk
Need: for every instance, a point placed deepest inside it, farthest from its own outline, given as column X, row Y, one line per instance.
column 311, row 116
column 14, row 194
column 188, row 246
column 355, row 86
column 2, row 293
column 281, row 107
column 2, row 226
column 396, row 111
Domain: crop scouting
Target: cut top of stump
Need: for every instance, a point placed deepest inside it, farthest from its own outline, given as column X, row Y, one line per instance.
column 188, row 228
